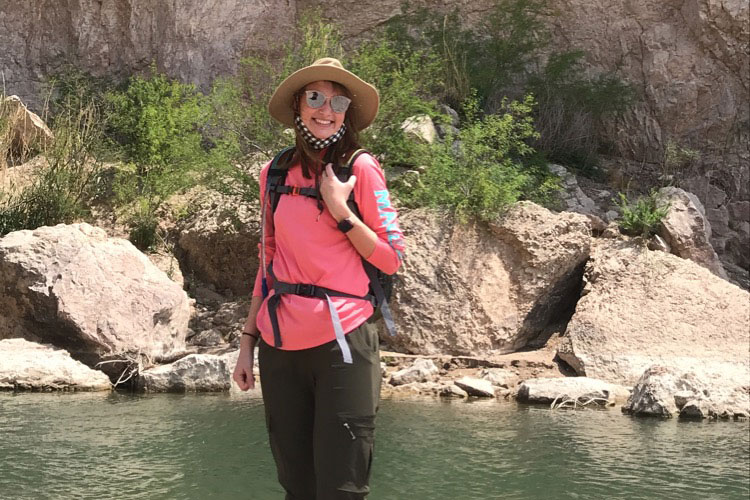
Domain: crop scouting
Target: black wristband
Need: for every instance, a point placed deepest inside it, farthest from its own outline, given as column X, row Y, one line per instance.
column 256, row 337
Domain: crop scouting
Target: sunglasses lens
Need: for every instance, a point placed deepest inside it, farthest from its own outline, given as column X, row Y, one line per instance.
column 315, row 99
column 340, row 103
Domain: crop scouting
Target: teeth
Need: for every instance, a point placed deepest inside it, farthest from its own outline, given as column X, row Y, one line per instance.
column 324, row 122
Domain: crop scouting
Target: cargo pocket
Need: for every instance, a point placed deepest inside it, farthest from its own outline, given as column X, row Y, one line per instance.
column 358, row 441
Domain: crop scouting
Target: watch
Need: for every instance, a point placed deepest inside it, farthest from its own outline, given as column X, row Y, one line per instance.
column 345, row 225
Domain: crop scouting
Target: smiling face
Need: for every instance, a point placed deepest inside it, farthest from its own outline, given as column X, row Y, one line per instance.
column 323, row 122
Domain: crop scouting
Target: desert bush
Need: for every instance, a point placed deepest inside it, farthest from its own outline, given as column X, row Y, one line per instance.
column 155, row 123
column 677, row 160
column 642, row 216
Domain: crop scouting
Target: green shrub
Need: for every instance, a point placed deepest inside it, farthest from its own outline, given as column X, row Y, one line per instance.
column 484, row 171
column 642, row 217
column 5, row 137
column 677, row 159
column 143, row 226
column 156, row 124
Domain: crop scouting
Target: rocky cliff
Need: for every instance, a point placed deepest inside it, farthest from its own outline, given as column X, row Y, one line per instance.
column 687, row 59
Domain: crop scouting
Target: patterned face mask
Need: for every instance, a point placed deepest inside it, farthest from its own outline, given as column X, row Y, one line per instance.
column 314, row 141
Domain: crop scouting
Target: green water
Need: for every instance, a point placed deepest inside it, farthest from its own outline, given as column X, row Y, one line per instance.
column 92, row 446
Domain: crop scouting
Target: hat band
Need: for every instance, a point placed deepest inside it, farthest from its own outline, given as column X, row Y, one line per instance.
column 313, row 141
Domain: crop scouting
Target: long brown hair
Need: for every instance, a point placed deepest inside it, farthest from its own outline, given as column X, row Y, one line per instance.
column 309, row 158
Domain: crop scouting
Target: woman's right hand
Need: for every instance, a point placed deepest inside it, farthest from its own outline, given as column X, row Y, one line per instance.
column 243, row 370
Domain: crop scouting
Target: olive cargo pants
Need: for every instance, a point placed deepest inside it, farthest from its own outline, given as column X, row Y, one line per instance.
column 320, row 415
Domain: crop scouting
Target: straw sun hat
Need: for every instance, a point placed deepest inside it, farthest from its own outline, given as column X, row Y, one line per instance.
column 365, row 98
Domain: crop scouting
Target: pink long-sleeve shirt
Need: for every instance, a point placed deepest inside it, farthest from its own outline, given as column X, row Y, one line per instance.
column 306, row 246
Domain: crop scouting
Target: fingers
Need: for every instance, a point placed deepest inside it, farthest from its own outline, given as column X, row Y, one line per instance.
column 329, row 170
column 352, row 181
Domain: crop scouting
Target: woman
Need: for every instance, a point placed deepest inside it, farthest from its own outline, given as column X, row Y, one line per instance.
column 318, row 356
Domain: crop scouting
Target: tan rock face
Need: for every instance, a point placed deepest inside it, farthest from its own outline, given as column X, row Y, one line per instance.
column 641, row 308
column 98, row 298
column 193, row 40
column 468, row 289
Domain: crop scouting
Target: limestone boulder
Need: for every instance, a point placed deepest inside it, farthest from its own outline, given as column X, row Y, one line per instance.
column 99, row 298
column 452, row 391
column 28, row 366
column 500, row 377
column 193, row 373
column 421, row 128
column 640, row 308
column 476, row 387
column 470, row 288
column 694, row 392
column 422, row 370
column 26, row 130
column 218, row 241
column 582, row 390
column 686, row 230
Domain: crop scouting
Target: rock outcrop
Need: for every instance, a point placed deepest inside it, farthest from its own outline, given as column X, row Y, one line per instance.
column 686, row 230
column 218, row 241
column 420, row 128
column 642, row 308
column 572, row 197
column 688, row 60
column 28, row 366
column 468, row 288
column 97, row 297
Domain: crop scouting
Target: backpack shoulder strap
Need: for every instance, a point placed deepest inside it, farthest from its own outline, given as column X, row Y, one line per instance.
column 276, row 176
column 346, row 171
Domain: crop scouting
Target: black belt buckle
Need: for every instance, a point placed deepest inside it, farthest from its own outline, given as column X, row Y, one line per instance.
column 306, row 290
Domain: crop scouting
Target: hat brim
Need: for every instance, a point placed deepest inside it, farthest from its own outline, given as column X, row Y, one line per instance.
column 362, row 110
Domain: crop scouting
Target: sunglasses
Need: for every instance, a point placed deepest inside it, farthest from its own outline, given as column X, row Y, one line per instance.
column 316, row 99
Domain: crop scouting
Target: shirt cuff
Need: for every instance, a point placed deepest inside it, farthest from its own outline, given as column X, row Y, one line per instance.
column 384, row 257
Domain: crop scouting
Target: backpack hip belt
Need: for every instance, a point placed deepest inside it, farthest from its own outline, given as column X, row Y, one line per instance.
column 281, row 288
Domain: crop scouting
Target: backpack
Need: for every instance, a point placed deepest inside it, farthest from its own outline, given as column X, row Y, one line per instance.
column 381, row 284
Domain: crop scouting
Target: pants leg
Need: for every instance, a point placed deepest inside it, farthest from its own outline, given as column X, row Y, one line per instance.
column 320, row 415
column 288, row 398
column 346, row 401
